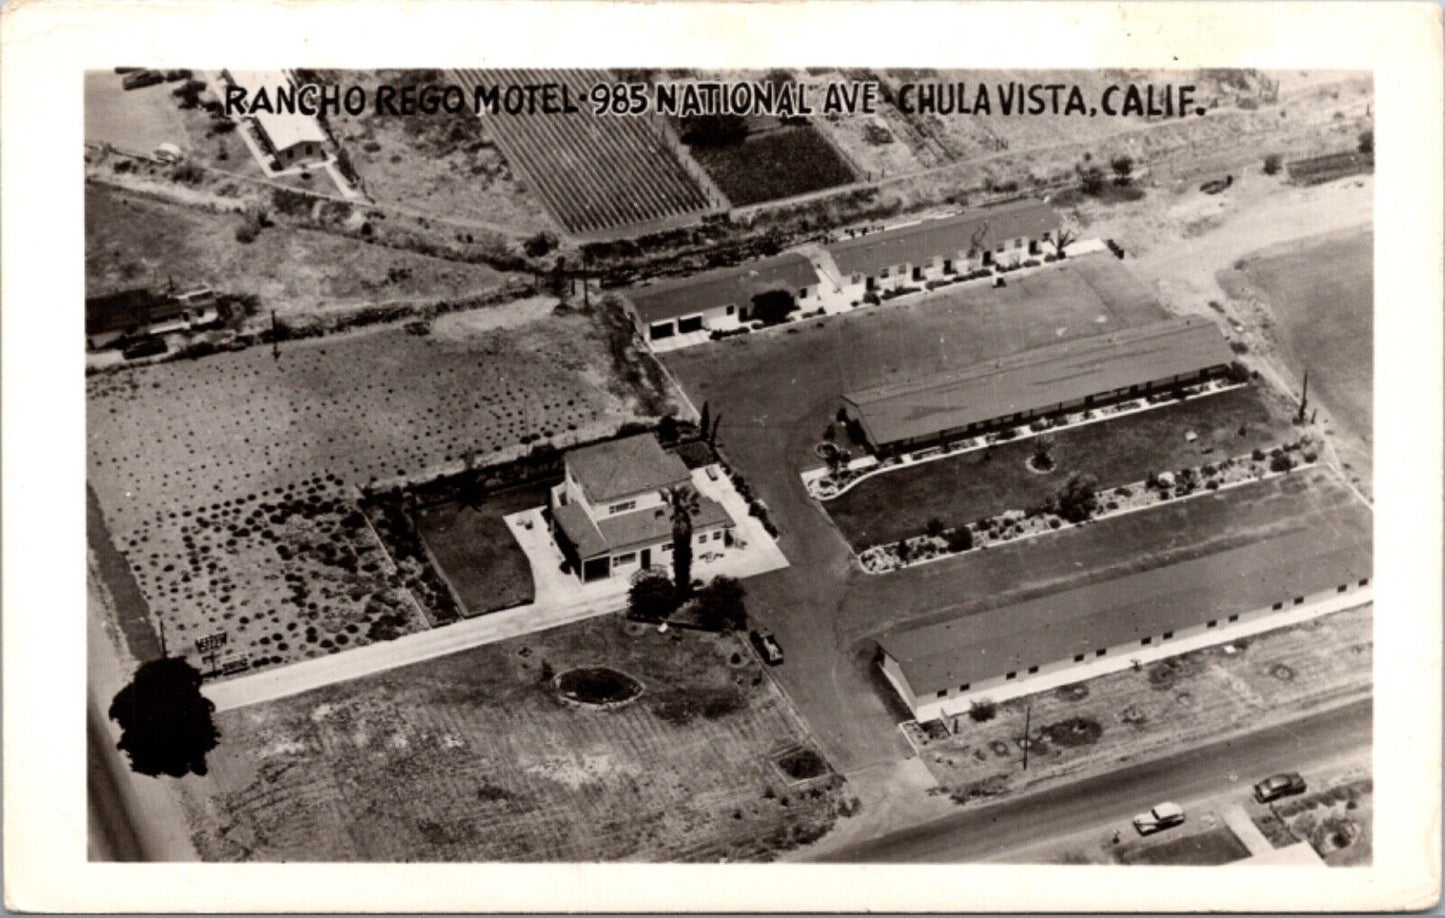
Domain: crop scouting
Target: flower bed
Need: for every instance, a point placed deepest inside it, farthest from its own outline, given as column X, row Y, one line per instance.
column 1157, row 489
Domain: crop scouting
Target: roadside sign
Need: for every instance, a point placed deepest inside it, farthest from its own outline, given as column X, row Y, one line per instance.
column 210, row 643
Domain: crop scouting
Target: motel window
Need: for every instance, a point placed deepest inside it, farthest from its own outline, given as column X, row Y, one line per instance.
column 1364, row 581
column 1277, row 606
column 943, row 693
column 731, row 310
column 625, row 559
column 1343, row 587
column 1001, row 247
column 802, row 293
column 1234, row 618
column 1213, row 624
column 1019, row 243
column 1299, row 600
column 857, row 279
column 1101, row 652
column 1033, row 669
column 1078, row 658
column 964, row 687
column 1146, row 642
column 667, row 546
column 1011, row 676
column 883, row 273
column 717, row 535
column 1167, row 635
column 1045, row 236
column 622, row 507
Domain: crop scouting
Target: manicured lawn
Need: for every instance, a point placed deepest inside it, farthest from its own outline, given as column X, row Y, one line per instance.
column 778, row 163
column 974, row 485
column 477, row 552
column 1322, row 297
column 1216, row 846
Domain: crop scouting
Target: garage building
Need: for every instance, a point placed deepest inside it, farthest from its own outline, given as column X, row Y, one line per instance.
column 722, row 298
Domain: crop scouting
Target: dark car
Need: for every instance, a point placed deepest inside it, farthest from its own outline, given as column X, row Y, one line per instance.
column 144, row 347
column 1277, row 786
column 768, row 647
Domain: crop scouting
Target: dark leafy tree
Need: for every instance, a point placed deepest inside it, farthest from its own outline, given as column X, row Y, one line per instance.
column 773, row 306
column 682, row 504
column 1077, row 501
column 165, row 721
column 1091, row 180
column 540, row 244
column 1123, row 167
column 1271, row 164
column 720, row 605
column 652, row 598
column 1367, row 141
column 704, row 419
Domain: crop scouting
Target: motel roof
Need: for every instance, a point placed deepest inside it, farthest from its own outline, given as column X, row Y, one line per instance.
column 735, row 286
column 622, row 468
column 1038, row 379
column 943, row 237
column 282, row 130
column 630, row 531
column 128, row 309
column 1046, row 630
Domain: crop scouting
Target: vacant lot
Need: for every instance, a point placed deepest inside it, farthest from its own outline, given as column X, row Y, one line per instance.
column 437, row 164
column 1167, row 705
column 776, row 163
column 1322, row 296
column 1208, row 848
column 476, row 757
column 137, row 241
column 968, row 487
column 226, row 481
column 476, row 551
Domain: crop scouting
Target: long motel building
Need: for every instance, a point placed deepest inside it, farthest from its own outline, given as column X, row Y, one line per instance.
column 940, row 670
column 911, row 254
column 610, row 516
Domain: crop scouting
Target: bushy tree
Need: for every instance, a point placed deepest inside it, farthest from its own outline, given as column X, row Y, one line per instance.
column 1076, row 501
column 1123, row 167
column 539, row 245
column 720, row 605
column 1272, row 164
column 1367, row 142
column 165, row 721
column 1091, row 180
column 773, row 306
column 960, row 539
column 652, row 598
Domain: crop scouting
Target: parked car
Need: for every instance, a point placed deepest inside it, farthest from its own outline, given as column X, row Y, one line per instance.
column 768, row 647
column 1164, row 816
column 144, row 347
column 140, row 79
column 1285, row 784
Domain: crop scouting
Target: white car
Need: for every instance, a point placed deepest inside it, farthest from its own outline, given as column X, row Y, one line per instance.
column 1164, row 816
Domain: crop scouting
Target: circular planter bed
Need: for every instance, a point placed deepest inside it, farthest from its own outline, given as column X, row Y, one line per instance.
column 597, row 686
column 1040, row 464
column 802, row 764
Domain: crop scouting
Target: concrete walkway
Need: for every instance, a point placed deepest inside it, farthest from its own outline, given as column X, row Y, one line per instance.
column 560, row 600
column 1246, row 831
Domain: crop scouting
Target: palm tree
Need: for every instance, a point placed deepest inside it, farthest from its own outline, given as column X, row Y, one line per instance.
column 683, row 504
column 1062, row 240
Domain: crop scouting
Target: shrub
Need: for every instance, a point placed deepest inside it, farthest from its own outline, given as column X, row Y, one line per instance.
column 982, row 710
column 247, row 232
column 773, row 306
column 1281, row 463
column 1076, row 501
column 902, row 550
column 720, row 605
column 960, row 539
column 1257, row 455
column 935, row 527
column 1271, row 164
column 652, row 598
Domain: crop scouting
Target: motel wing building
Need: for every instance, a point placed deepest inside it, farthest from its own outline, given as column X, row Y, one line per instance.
column 1046, row 381
column 609, row 514
column 722, row 298
column 290, row 140
column 941, row 669
column 909, row 255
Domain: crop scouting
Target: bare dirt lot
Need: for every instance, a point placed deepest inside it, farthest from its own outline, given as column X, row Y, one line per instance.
column 966, row 488
column 1166, row 705
column 137, row 241
column 1321, row 294
column 227, row 481
column 476, row 757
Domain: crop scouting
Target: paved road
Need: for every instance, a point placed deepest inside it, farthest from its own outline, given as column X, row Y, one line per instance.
column 991, row 831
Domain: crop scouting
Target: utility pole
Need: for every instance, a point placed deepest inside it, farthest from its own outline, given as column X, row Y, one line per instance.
column 162, row 623
column 1304, row 398
column 1028, row 716
column 275, row 340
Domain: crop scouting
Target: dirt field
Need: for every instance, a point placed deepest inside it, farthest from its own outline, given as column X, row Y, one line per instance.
column 972, row 486
column 476, row 551
column 434, row 164
column 1321, row 294
column 136, row 241
column 475, row 757
column 194, row 461
column 1167, row 705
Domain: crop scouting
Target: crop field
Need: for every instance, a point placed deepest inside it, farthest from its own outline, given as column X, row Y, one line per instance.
column 476, row 551
column 227, row 481
column 137, row 241
column 1322, row 296
column 593, row 173
column 777, row 163
column 968, row 487
column 478, row 757
column 1166, row 706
